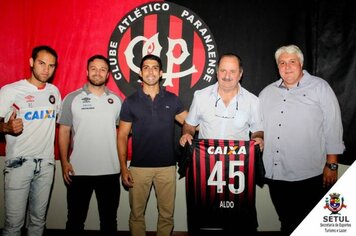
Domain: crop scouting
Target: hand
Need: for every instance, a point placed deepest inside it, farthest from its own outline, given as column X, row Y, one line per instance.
column 185, row 138
column 259, row 141
column 67, row 171
column 14, row 125
column 126, row 178
column 329, row 177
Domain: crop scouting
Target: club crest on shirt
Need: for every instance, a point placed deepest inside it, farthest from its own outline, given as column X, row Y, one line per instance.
column 52, row 99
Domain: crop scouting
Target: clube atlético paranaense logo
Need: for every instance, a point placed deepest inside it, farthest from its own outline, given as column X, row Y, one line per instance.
column 177, row 35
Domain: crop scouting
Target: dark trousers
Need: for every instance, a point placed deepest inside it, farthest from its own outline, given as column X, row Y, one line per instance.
column 293, row 201
column 79, row 192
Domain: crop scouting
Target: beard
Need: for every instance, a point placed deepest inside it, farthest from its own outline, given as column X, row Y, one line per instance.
column 40, row 78
column 97, row 83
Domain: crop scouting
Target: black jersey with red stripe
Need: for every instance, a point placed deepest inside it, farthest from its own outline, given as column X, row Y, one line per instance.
column 220, row 185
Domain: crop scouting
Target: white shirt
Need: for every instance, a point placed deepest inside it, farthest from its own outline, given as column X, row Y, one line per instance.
column 38, row 110
column 216, row 121
column 302, row 125
column 93, row 120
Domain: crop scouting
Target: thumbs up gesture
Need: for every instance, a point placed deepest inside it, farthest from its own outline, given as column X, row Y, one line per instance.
column 14, row 125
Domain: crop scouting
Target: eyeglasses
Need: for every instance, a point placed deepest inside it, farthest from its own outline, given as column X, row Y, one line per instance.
column 226, row 117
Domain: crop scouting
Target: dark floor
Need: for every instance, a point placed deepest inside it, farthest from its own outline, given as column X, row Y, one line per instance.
column 58, row 232
column 126, row 233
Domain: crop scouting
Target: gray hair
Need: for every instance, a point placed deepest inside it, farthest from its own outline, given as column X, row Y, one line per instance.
column 290, row 49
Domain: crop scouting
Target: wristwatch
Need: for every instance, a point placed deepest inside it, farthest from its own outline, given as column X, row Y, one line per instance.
column 332, row 166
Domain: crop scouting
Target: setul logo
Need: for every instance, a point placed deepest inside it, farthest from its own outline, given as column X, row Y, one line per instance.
column 175, row 34
column 335, row 203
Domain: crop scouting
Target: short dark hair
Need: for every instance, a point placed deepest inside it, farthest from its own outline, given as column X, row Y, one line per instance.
column 151, row 57
column 101, row 57
column 46, row 48
column 231, row 55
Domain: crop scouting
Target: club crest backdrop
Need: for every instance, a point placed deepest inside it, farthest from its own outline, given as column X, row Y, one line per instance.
column 188, row 36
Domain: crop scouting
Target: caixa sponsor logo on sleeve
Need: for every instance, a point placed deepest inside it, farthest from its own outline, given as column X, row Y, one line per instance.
column 40, row 115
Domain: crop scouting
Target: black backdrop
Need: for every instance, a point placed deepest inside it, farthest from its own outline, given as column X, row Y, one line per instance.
column 325, row 30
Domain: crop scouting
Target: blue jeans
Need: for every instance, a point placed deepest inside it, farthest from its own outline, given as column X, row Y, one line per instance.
column 27, row 181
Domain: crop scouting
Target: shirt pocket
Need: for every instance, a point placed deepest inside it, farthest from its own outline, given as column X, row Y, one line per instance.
column 241, row 119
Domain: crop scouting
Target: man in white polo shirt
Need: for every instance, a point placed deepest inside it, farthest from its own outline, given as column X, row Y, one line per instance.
column 88, row 122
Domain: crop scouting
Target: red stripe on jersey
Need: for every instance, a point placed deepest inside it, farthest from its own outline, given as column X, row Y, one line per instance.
column 203, row 183
column 251, row 172
column 235, row 201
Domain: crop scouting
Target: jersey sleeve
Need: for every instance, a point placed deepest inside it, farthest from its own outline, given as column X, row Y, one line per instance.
column 65, row 115
column 6, row 101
